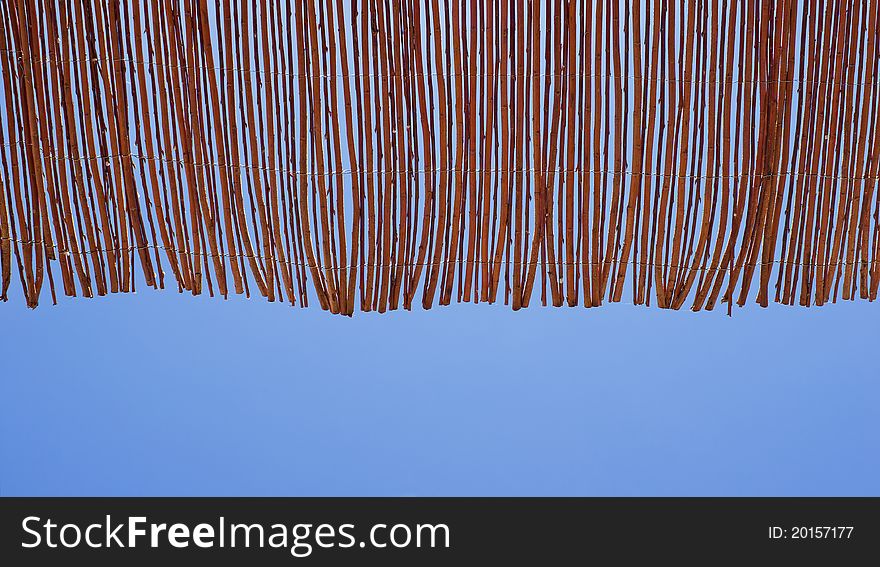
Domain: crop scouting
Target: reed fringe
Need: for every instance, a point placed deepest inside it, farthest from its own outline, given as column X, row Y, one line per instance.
column 369, row 155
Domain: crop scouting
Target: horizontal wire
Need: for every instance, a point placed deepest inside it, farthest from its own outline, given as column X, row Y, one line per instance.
column 436, row 74
column 439, row 263
column 54, row 157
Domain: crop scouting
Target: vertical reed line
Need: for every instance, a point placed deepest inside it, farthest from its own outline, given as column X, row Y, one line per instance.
column 391, row 151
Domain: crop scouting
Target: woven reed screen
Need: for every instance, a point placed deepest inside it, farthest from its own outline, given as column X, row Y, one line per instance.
column 372, row 155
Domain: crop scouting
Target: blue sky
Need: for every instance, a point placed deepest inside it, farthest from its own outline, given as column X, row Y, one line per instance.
column 162, row 394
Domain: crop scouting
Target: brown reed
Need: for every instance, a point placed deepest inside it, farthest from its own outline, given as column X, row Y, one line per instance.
column 368, row 155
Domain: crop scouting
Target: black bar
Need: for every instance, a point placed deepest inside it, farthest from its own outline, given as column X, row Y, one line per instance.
column 507, row 531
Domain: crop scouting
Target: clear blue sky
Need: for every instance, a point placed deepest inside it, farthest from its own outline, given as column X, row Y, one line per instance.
column 161, row 394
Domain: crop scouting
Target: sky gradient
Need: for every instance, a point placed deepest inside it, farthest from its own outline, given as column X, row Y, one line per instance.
column 162, row 394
